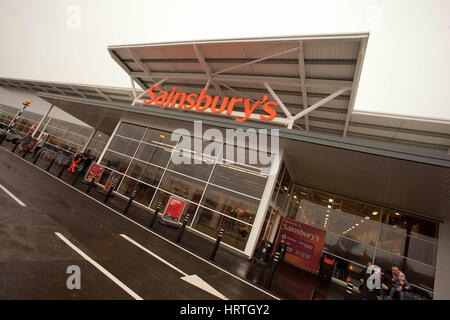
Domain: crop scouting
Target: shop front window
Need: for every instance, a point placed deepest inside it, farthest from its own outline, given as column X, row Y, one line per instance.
column 209, row 222
column 131, row 131
column 182, row 186
column 230, row 203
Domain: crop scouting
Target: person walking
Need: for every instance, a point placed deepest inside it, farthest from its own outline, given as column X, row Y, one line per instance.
column 39, row 146
column 25, row 142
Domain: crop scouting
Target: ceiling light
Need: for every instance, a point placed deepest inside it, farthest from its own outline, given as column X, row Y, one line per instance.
column 356, row 224
column 397, row 214
column 367, row 218
column 330, row 200
column 327, row 215
column 285, row 188
column 374, row 213
column 295, row 197
column 329, row 206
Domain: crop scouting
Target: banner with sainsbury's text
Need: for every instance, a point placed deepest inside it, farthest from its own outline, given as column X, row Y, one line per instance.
column 304, row 243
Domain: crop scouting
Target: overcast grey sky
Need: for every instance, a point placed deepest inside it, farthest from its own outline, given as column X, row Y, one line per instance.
column 406, row 68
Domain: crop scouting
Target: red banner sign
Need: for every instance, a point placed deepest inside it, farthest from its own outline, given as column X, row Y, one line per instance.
column 174, row 209
column 304, row 243
column 93, row 169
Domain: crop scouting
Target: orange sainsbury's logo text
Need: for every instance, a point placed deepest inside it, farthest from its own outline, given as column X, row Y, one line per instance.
column 203, row 101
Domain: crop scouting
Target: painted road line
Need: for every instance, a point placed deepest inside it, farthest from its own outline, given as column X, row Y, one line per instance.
column 13, row 196
column 152, row 232
column 192, row 279
column 99, row 267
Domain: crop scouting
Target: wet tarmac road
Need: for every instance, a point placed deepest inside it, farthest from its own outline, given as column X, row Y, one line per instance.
column 33, row 260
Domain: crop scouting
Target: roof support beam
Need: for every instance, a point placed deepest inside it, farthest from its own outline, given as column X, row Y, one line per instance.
column 320, row 103
column 302, row 72
column 254, row 61
column 358, row 67
column 140, row 63
column 207, row 69
column 285, row 81
column 238, row 93
column 77, row 92
column 278, row 100
column 54, row 87
column 103, row 95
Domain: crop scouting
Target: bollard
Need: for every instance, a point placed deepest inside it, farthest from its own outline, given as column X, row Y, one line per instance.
column 15, row 147
column 155, row 214
column 92, row 183
column 36, row 158
column 77, row 175
column 216, row 246
column 109, row 192
column 183, row 226
column 26, row 152
column 276, row 258
column 50, row 165
column 349, row 291
column 64, row 167
column 130, row 202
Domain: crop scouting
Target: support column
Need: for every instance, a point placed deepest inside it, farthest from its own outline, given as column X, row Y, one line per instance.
column 109, row 141
column 442, row 274
column 42, row 121
column 88, row 141
column 262, row 209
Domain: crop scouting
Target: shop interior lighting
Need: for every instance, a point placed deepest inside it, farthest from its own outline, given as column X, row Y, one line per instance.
column 330, row 200
column 374, row 213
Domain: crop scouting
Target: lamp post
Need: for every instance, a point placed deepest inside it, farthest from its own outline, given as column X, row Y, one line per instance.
column 13, row 122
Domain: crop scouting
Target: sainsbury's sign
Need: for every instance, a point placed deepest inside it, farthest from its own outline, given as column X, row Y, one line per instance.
column 203, row 101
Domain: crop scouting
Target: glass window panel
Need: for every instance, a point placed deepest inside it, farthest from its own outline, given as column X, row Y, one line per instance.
column 182, row 186
column 209, row 222
column 144, row 193
column 188, row 159
column 416, row 273
column 153, row 154
column 422, row 251
column 238, row 176
column 162, row 197
column 115, row 161
column 145, row 172
column 131, row 131
column 158, row 137
column 230, row 203
column 348, row 249
column 123, row 145
column 392, row 239
column 419, row 228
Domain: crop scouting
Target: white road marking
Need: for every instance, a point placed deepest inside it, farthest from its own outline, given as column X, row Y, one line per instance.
column 192, row 279
column 154, row 233
column 202, row 284
column 99, row 267
column 153, row 254
column 13, row 196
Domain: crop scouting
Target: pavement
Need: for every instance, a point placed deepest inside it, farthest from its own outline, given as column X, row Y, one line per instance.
column 59, row 225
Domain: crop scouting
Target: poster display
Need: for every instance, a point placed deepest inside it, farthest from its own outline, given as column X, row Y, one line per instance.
column 304, row 243
column 174, row 209
column 93, row 169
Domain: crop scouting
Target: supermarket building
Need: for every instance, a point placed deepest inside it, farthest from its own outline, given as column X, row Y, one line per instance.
column 376, row 184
